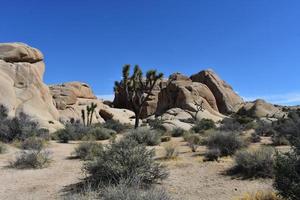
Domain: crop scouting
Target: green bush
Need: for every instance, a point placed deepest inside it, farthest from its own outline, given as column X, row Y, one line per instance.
column 287, row 175
column 256, row 163
column 101, row 133
column 125, row 159
column 31, row 159
column 63, row 136
column 145, row 136
column 33, row 143
column 228, row 143
column 177, row 132
column 203, row 124
column 88, row 150
column 212, row 155
column 194, row 141
column 3, row 148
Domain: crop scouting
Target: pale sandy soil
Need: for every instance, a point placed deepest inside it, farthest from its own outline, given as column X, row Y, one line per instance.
column 190, row 177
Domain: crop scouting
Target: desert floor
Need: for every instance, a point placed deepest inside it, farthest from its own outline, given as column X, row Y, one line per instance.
column 190, row 178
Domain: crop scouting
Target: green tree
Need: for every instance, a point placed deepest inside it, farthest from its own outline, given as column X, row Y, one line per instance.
column 137, row 88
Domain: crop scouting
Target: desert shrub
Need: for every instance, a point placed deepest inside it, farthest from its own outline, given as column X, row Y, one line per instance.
column 123, row 192
column 279, row 140
column 261, row 195
column 287, row 175
column 116, row 125
column 194, row 141
column 31, row 159
column 228, row 143
column 230, row 125
column 156, row 124
column 165, row 138
column 203, row 124
column 125, row 159
column 3, row 148
column 18, row 128
column 264, row 128
column 88, row 150
column 177, row 132
column 145, row 136
column 212, row 155
column 255, row 138
column 256, row 163
column 101, row 133
column 33, row 143
column 187, row 135
column 171, row 151
column 63, row 136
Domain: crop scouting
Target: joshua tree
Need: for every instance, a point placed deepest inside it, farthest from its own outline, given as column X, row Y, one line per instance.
column 137, row 89
column 90, row 112
column 83, row 116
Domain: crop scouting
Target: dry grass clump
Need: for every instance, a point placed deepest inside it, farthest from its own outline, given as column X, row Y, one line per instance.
column 171, row 151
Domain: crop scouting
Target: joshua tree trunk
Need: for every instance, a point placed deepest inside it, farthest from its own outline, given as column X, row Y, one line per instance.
column 137, row 118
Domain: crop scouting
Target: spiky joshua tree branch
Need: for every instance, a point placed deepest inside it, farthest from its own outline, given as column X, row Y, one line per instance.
column 137, row 89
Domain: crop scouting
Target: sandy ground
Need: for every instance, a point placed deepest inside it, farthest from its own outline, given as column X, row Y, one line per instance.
column 190, row 178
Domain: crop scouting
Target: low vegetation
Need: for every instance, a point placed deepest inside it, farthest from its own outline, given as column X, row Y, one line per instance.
column 33, row 143
column 177, row 132
column 287, row 165
column 31, row 159
column 125, row 159
column 255, row 163
column 122, row 191
column 227, row 142
column 203, row 125
column 212, row 155
column 146, row 136
column 171, row 151
column 88, row 150
column 19, row 128
column 261, row 195
column 3, row 148
column 194, row 141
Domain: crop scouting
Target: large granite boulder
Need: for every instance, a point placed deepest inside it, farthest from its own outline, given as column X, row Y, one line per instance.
column 73, row 97
column 21, row 84
column 181, row 92
column 227, row 100
column 261, row 109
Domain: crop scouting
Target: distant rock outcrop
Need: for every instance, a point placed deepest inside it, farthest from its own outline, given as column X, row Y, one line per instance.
column 21, row 84
column 227, row 100
column 260, row 108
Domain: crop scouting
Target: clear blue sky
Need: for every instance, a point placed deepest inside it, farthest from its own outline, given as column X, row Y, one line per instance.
column 253, row 44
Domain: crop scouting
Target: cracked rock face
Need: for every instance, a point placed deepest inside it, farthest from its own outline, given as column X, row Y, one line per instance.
column 21, row 84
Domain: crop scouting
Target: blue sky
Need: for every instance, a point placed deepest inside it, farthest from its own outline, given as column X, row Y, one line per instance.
column 253, row 44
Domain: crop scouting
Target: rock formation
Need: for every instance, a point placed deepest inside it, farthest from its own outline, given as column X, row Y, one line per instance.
column 227, row 100
column 72, row 97
column 21, row 84
column 260, row 108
